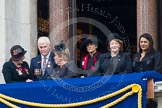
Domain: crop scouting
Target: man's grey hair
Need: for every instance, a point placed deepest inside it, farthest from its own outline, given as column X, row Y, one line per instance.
column 43, row 39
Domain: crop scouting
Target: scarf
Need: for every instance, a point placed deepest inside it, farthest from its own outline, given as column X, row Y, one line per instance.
column 85, row 61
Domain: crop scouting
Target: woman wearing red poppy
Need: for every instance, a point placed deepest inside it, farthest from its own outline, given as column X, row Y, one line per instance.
column 16, row 70
column 89, row 61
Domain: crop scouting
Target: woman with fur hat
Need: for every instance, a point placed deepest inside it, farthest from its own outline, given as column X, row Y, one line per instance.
column 16, row 70
column 65, row 68
column 115, row 61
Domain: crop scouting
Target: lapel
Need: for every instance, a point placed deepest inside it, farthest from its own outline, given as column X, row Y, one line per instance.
column 119, row 62
column 39, row 61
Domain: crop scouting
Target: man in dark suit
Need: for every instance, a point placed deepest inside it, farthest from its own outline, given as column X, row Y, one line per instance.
column 42, row 65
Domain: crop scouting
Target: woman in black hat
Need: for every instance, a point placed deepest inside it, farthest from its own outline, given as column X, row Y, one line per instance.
column 16, row 70
column 115, row 61
column 89, row 61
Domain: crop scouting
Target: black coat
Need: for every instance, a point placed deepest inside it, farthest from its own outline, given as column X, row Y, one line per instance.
column 151, row 62
column 11, row 73
column 124, row 64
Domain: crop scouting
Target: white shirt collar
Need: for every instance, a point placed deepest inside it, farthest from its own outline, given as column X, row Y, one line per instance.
column 47, row 57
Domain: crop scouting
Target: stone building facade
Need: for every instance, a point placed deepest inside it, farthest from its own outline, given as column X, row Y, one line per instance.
column 18, row 24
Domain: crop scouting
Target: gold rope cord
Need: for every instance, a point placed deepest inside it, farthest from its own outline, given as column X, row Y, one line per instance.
column 135, row 89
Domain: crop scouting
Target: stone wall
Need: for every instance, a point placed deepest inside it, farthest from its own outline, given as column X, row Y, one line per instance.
column 18, row 20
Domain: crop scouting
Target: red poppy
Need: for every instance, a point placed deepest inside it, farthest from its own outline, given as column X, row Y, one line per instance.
column 20, row 69
column 26, row 70
column 39, row 62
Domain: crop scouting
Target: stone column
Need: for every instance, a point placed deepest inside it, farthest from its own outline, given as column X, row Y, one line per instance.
column 147, row 18
column 18, row 20
column 21, row 26
column 158, row 95
column 2, row 40
column 159, row 101
column 32, row 29
column 59, row 15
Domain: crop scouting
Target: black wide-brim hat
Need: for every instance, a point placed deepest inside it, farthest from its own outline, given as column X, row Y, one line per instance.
column 17, row 52
column 88, row 41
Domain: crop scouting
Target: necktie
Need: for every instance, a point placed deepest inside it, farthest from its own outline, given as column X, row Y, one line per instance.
column 44, row 65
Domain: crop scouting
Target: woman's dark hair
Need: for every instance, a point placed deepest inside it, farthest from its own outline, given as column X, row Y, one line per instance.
column 149, row 38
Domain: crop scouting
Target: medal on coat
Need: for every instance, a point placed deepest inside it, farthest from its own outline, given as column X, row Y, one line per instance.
column 48, row 65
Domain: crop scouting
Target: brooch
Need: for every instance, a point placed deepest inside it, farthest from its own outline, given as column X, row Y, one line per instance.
column 19, row 71
column 39, row 62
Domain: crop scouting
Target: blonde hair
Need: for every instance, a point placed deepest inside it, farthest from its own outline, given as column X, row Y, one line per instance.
column 119, row 41
column 65, row 54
